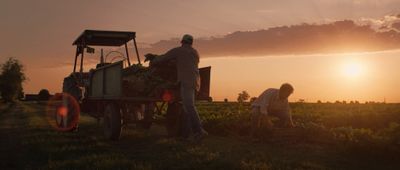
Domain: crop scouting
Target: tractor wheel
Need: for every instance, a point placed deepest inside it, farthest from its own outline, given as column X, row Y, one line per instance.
column 112, row 122
column 174, row 120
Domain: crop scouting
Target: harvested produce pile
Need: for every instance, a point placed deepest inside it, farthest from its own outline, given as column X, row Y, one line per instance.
column 149, row 81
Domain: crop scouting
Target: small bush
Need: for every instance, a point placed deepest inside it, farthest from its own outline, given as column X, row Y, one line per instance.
column 44, row 94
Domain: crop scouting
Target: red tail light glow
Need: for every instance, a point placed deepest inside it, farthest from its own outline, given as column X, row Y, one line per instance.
column 167, row 96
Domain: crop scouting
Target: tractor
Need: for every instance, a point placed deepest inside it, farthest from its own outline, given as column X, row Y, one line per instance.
column 118, row 90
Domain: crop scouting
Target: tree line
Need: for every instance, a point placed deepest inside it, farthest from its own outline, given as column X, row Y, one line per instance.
column 11, row 78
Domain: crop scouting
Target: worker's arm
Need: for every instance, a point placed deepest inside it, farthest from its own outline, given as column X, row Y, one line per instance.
column 170, row 55
column 291, row 124
column 289, row 114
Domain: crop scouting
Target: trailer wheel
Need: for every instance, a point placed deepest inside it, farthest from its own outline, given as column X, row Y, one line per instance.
column 174, row 120
column 112, row 122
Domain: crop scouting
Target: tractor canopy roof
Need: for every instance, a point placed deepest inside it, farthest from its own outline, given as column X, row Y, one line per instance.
column 104, row 38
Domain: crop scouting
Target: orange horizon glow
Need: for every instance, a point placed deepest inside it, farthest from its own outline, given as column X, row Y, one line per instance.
column 325, row 77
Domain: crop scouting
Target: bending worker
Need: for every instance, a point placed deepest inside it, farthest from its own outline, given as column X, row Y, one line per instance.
column 272, row 102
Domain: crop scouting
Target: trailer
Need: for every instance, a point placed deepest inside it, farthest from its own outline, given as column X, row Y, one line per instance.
column 121, row 91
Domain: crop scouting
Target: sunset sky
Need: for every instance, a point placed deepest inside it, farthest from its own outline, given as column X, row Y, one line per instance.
column 364, row 67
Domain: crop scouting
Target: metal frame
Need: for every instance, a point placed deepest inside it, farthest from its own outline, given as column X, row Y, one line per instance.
column 84, row 40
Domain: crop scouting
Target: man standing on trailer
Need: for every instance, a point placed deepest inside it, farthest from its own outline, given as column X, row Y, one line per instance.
column 187, row 61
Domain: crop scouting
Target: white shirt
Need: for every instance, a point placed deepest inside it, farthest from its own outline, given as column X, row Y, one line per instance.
column 269, row 101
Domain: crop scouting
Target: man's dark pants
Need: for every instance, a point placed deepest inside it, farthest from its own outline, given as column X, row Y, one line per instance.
column 192, row 121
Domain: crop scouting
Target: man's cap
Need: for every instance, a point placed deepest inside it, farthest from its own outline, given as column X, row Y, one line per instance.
column 187, row 38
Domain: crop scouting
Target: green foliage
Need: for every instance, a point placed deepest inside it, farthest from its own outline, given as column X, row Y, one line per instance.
column 354, row 135
column 366, row 137
column 392, row 134
column 354, row 125
column 11, row 79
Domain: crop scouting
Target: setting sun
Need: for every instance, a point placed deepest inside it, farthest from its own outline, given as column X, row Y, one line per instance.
column 353, row 69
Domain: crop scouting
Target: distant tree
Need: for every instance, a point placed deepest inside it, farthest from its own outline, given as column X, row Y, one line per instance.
column 21, row 94
column 253, row 99
column 243, row 96
column 319, row 101
column 11, row 78
column 226, row 100
column 44, row 94
column 344, row 102
column 337, row 102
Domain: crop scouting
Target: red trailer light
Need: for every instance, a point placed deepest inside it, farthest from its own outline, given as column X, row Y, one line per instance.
column 167, row 96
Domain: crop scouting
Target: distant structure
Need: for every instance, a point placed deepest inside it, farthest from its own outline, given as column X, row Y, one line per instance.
column 31, row 97
column 301, row 101
column 34, row 97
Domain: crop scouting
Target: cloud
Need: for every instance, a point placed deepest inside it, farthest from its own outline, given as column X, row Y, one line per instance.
column 56, row 65
column 396, row 26
column 382, row 24
column 339, row 36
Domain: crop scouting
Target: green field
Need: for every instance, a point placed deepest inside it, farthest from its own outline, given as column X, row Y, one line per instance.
column 327, row 136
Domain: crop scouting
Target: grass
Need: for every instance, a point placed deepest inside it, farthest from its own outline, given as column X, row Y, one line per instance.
column 29, row 142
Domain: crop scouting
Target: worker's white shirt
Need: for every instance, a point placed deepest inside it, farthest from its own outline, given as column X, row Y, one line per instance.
column 269, row 101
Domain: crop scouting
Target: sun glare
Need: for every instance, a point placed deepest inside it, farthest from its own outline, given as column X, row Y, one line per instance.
column 353, row 69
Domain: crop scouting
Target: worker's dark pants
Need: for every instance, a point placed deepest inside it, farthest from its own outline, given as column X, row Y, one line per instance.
column 191, row 117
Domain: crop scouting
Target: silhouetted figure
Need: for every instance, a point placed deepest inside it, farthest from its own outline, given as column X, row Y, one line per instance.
column 272, row 102
column 187, row 60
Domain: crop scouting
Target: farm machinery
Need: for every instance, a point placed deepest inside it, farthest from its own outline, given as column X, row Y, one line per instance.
column 119, row 92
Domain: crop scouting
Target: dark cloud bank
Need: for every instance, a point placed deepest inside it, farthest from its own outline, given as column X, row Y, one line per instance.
column 336, row 37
